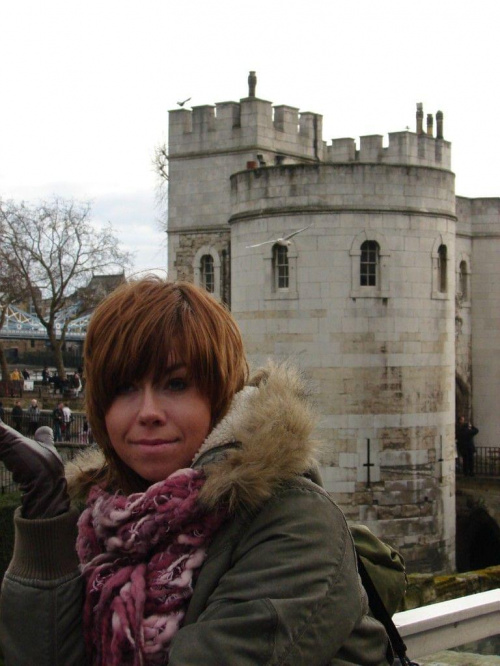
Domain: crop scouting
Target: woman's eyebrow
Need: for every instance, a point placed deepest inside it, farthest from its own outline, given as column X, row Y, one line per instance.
column 174, row 367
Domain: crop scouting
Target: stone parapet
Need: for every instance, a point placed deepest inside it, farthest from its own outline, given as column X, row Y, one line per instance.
column 403, row 148
column 253, row 122
column 425, row 589
column 328, row 187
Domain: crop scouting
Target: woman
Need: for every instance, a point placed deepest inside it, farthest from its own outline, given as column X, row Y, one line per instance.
column 202, row 538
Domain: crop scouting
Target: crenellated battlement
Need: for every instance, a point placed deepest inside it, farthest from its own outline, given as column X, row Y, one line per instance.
column 250, row 123
column 403, row 148
column 254, row 124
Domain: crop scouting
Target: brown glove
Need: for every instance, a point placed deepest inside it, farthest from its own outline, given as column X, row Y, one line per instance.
column 38, row 469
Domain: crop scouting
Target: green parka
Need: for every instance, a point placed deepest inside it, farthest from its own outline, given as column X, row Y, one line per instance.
column 279, row 585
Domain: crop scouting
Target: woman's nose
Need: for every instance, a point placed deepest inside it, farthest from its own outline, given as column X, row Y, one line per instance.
column 151, row 408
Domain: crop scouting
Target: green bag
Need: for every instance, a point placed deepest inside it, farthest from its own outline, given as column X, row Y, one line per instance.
column 385, row 566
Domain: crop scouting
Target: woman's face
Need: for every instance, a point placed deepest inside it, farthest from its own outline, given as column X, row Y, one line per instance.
column 157, row 429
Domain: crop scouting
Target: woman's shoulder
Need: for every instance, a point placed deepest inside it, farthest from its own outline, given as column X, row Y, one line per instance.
column 299, row 509
column 300, row 495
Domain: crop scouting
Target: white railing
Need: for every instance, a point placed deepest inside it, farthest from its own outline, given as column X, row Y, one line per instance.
column 448, row 624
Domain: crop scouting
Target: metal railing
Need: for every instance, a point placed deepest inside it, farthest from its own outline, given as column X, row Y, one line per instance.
column 486, row 461
column 36, row 388
column 75, row 432
column 71, row 359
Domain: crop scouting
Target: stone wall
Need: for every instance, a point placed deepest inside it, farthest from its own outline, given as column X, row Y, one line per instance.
column 425, row 589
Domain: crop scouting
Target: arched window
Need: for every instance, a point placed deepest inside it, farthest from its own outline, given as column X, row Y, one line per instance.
column 462, row 283
column 439, row 264
column 207, row 269
column 207, row 273
column 442, row 268
column 370, row 265
column 281, row 271
column 369, row 262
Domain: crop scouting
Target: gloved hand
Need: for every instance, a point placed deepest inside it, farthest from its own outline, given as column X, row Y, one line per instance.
column 38, row 469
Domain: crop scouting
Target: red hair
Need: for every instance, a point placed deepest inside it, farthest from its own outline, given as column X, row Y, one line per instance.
column 138, row 331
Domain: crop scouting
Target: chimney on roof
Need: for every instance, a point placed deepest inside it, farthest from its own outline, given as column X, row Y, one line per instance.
column 430, row 124
column 420, row 118
column 439, row 125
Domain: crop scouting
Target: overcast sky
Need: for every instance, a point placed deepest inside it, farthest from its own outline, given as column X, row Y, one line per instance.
column 87, row 85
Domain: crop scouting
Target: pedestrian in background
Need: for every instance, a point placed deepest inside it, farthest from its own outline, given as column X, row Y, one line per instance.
column 465, row 445
column 58, row 420
column 33, row 417
column 67, row 420
column 17, row 416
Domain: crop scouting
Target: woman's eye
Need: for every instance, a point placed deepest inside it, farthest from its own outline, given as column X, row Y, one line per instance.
column 126, row 388
column 177, row 384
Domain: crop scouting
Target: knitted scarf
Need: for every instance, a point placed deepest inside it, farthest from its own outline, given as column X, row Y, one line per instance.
column 140, row 557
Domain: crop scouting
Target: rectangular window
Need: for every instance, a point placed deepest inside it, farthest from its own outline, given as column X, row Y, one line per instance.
column 368, row 265
column 442, row 265
column 281, row 267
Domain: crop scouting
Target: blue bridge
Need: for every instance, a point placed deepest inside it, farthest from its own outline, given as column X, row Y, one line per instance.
column 23, row 325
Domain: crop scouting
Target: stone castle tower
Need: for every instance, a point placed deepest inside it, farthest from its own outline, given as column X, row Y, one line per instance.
column 370, row 295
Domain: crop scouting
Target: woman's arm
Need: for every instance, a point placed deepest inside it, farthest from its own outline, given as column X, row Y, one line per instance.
column 41, row 598
column 42, row 595
column 38, row 469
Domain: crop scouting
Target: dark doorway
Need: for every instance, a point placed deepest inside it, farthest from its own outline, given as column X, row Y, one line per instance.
column 478, row 541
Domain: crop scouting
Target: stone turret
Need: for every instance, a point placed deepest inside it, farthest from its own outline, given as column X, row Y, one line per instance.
column 364, row 301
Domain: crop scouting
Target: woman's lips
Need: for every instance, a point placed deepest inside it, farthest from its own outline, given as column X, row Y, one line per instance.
column 154, row 442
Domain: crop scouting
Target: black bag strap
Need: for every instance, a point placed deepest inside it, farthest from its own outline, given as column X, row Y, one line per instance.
column 380, row 613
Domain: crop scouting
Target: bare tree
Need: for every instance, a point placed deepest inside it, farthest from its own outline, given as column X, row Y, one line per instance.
column 160, row 166
column 160, row 162
column 12, row 289
column 55, row 250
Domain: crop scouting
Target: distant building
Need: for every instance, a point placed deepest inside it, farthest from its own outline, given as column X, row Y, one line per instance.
column 388, row 297
column 99, row 287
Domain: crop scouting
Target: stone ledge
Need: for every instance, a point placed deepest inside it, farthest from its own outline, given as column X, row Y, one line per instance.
column 426, row 589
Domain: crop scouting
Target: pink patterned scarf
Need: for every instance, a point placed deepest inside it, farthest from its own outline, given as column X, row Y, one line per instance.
column 140, row 557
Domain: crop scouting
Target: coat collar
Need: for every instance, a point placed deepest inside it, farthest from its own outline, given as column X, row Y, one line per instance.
column 267, row 434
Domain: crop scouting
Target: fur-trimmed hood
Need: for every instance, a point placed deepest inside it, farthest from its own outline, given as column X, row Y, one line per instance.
column 262, row 442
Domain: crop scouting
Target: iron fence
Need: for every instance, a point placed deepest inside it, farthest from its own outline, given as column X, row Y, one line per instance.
column 14, row 356
column 486, row 461
column 77, row 431
column 17, row 388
